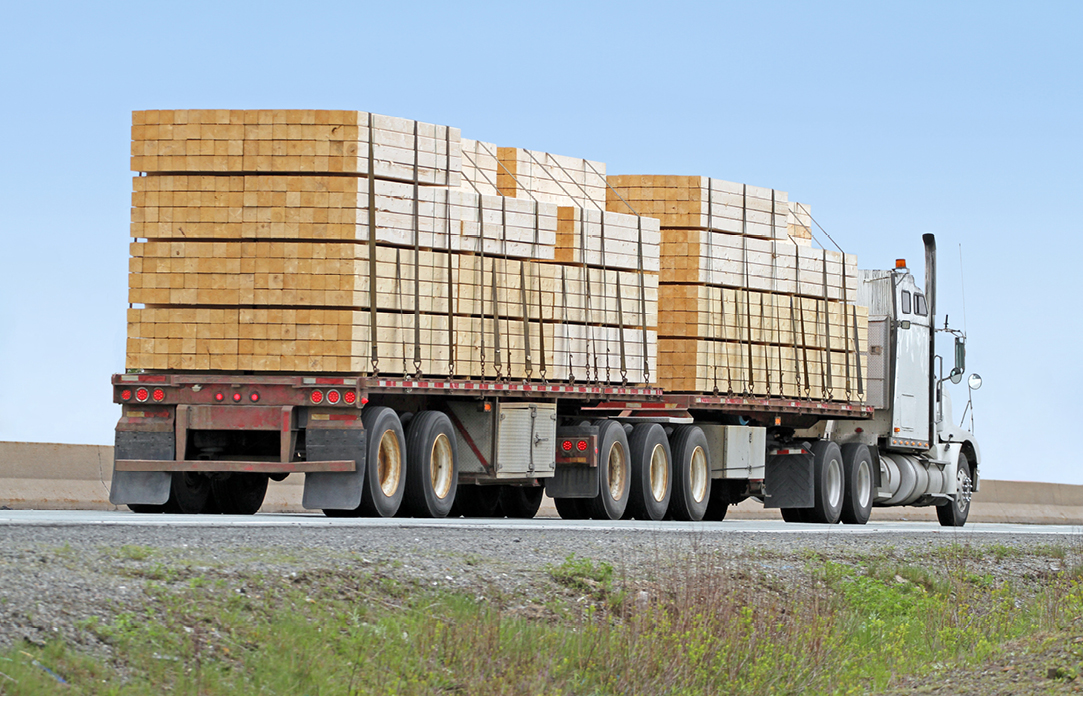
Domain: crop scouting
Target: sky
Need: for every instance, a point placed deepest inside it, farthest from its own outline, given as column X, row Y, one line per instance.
column 890, row 119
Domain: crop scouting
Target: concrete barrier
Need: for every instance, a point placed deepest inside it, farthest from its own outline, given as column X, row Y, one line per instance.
column 55, row 476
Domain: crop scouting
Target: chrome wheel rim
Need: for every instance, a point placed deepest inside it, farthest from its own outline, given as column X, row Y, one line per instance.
column 833, row 481
column 965, row 489
column 659, row 473
column 864, row 483
column 697, row 474
column 389, row 463
column 617, row 471
column 441, row 466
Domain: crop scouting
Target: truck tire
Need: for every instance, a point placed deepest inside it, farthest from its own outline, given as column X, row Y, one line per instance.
column 189, row 493
column 614, row 472
column 651, row 490
column 477, row 501
column 857, row 497
column 955, row 512
column 240, row 494
column 691, row 474
column 829, row 481
column 385, row 463
column 573, row 509
column 520, row 501
column 432, row 473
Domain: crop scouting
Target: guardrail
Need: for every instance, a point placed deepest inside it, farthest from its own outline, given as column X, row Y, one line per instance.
column 57, row 476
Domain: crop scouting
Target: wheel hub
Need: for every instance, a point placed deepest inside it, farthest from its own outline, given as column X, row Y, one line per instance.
column 659, row 470
column 698, row 474
column 389, row 463
column 440, row 466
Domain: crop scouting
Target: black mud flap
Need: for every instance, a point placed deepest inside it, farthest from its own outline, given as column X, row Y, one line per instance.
column 789, row 481
column 340, row 491
column 141, row 487
column 573, row 482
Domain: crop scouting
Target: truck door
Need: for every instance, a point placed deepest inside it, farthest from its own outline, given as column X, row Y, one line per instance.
column 910, row 409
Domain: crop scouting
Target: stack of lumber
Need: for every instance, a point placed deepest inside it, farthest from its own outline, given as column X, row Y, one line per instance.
column 695, row 201
column 607, row 239
column 799, row 223
column 479, row 167
column 244, row 263
column 498, row 225
column 746, row 305
column 294, row 141
column 550, row 178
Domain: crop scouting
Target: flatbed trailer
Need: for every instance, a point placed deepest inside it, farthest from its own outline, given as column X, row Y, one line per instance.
column 422, row 446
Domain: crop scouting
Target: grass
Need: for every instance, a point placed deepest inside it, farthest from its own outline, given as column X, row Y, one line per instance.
column 701, row 625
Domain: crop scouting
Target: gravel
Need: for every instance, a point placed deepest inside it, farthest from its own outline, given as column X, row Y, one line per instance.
column 54, row 578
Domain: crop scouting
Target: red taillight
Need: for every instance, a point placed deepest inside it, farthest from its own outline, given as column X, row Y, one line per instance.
column 142, row 395
column 158, row 395
column 126, row 394
column 567, row 445
column 581, row 445
column 350, row 397
column 254, row 397
column 333, row 397
column 236, row 397
column 317, row 397
column 219, row 396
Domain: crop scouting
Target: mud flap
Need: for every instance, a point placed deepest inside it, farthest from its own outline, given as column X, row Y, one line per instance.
column 789, row 481
column 573, row 482
column 141, row 487
column 334, row 490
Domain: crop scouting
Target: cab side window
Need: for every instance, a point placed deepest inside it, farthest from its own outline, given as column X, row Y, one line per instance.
column 906, row 302
column 919, row 304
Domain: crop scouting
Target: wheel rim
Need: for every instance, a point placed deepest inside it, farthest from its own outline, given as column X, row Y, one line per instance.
column 659, row 470
column 833, row 482
column 441, row 465
column 389, row 463
column 966, row 489
column 617, row 471
column 864, row 483
column 697, row 474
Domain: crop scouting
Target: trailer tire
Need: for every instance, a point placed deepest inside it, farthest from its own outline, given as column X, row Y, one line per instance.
column 573, row 509
column 857, row 496
column 614, row 472
column 651, row 489
column 520, row 501
column 955, row 512
column 189, row 493
column 691, row 474
column 240, row 494
column 432, row 475
column 829, row 483
column 385, row 463
column 477, row 501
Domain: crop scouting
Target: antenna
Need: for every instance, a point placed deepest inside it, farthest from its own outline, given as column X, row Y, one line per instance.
column 962, row 286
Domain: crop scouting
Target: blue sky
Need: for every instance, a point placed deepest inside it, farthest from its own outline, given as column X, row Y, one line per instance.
column 961, row 119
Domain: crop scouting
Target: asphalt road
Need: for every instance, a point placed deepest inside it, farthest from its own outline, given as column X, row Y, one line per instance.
column 275, row 520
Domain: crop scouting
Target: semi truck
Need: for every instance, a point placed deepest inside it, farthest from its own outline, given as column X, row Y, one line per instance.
column 207, row 442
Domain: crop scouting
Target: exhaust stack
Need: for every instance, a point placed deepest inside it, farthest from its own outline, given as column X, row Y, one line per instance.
column 930, row 297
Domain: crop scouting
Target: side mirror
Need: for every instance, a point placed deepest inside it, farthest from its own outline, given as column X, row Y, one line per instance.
column 974, row 381
column 960, row 361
